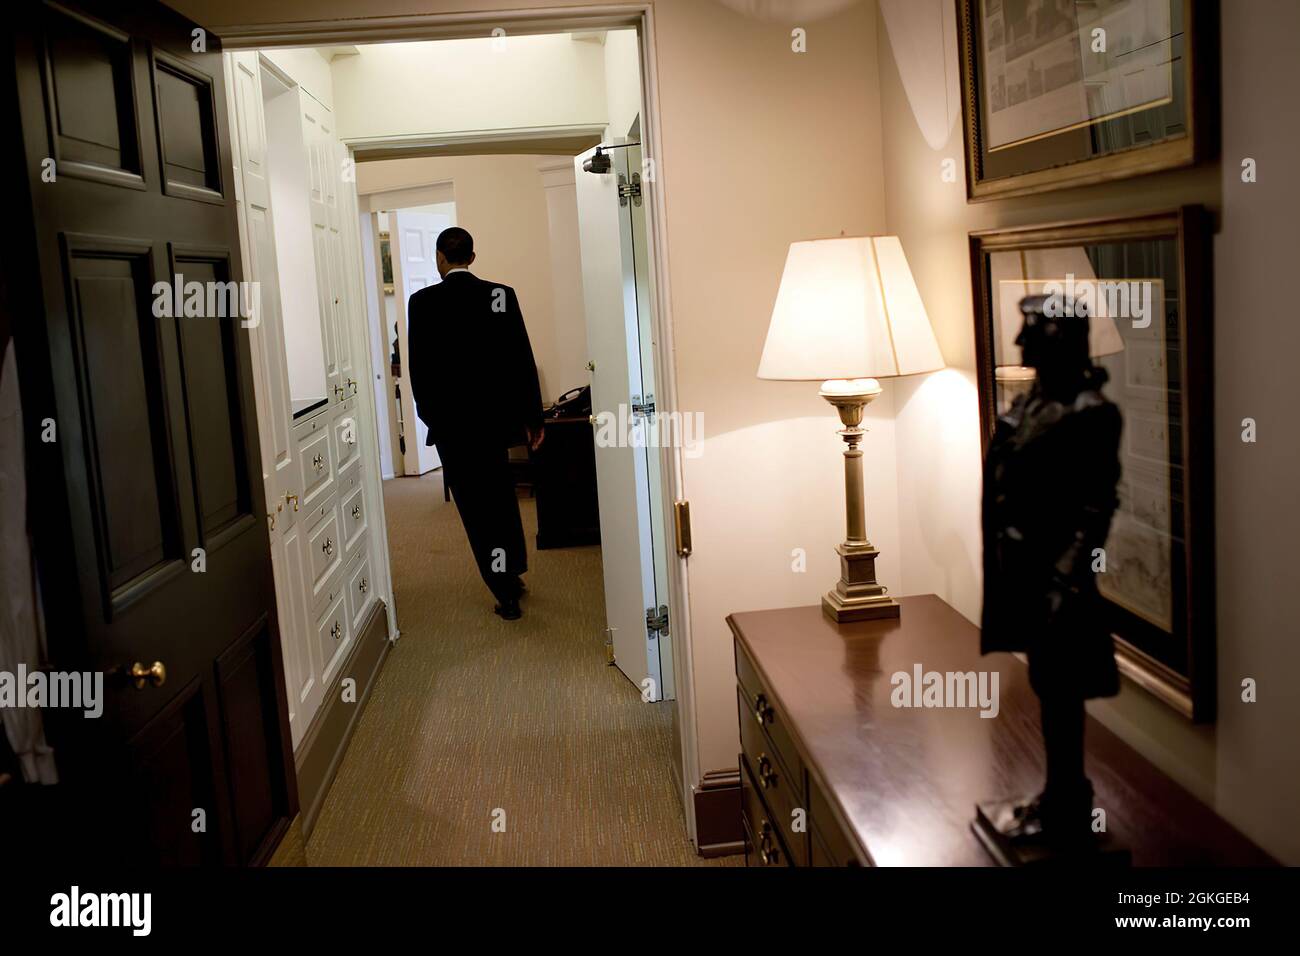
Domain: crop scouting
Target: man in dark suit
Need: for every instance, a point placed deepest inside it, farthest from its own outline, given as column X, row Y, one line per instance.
column 475, row 387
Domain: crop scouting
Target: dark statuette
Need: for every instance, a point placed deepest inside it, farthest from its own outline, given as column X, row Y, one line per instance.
column 1049, row 494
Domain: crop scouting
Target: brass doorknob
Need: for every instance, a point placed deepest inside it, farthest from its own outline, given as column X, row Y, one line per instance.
column 155, row 673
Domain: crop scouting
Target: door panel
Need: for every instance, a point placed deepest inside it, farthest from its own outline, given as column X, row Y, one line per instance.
column 609, row 294
column 156, row 454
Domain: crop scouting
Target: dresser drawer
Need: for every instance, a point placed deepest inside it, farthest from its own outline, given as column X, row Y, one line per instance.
column 332, row 637
column 324, row 551
column 315, row 469
column 759, row 707
column 828, row 840
column 763, row 845
column 360, row 592
column 781, row 792
column 346, row 443
column 353, row 507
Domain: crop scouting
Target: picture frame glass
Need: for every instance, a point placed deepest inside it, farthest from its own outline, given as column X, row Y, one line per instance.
column 1060, row 82
column 1131, row 287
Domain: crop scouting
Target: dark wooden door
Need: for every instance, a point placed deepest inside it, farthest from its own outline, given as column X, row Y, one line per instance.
column 148, row 509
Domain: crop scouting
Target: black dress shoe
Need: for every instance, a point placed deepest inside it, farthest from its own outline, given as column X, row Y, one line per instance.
column 509, row 610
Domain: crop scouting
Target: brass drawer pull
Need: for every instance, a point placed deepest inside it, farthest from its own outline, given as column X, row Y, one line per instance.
column 769, row 854
column 336, row 631
column 766, row 775
column 319, row 462
column 294, row 499
column 356, row 512
column 364, row 586
column 328, row 546
column 762, row 712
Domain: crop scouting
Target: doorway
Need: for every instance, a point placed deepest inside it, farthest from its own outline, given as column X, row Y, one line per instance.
column 638, row 477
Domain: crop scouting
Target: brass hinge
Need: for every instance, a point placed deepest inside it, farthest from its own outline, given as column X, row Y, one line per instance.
column 682, row 524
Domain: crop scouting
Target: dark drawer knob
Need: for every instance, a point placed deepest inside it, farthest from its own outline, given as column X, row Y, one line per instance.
column 766, row 775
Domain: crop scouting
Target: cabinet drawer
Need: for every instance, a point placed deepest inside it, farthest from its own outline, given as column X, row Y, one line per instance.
column 782, row 793
column 353, row 507
column 315, row 469
column 763, row 846
column 827, row 837
column 332, row 637
column 760, row 708
column 360, row 592
column 347, row 445
column 324, row 551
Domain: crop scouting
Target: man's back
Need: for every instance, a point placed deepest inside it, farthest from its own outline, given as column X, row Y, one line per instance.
column 471, row 365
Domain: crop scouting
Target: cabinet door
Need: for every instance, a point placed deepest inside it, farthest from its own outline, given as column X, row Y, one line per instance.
column 315, row 122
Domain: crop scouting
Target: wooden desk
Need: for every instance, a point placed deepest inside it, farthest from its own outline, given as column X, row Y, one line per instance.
column 891, row 786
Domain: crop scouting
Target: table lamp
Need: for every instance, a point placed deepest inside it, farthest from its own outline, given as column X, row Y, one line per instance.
column 847, row 313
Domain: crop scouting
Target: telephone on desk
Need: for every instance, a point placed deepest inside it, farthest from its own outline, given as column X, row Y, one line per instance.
column 575, row 403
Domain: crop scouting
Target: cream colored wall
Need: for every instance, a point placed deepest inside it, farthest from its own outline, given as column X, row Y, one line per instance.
column 622, row 82
column 1249, row 766
column 500, row 200
column 455, row 86
column 570, row 370
column 761, row 146
column 310, row 70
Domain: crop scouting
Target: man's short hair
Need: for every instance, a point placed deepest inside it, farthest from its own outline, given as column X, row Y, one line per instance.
column 456, row 245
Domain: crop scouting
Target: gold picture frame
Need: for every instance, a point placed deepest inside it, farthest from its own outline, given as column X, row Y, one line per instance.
column 1073, row 115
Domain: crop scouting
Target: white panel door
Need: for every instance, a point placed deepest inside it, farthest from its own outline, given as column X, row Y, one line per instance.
column 315, row 123
column 413, row 235
column 271, row 387
column 613, row 345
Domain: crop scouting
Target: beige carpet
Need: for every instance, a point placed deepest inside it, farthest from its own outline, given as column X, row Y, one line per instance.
column 475, row 721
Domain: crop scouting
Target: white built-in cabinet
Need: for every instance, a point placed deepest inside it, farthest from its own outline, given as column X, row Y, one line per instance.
column 321, row 469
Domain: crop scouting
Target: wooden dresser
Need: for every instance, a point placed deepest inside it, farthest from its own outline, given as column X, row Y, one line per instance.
column 832, row 774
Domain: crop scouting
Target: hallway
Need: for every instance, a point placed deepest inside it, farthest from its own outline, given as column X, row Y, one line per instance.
column 472, row 715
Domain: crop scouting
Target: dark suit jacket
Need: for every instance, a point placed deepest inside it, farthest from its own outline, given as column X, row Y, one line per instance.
column 471, row 365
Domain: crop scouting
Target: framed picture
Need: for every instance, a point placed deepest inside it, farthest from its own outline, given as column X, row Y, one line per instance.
column 1146, row 282
column 1061, row 93
column 386, row 260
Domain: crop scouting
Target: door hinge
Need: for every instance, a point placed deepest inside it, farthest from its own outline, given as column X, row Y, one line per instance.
column 630, row 190
column 682, row 523
column 644, row 409
column 656, row 622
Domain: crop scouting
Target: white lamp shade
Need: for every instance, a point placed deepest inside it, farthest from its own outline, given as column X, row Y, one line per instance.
column 1015, row 275
column 848, row 308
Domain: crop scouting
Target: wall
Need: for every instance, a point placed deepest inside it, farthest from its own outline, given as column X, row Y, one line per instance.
column 454, row 86
column 1244, row 766
column 570, row 368
column 501, row 201
column 309, row 68
column 622, row 82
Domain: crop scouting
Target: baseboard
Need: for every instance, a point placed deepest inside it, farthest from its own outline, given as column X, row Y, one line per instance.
column 326, row 740
column 718, row 830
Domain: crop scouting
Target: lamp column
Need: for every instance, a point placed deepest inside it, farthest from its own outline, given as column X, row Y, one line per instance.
column 857, row 596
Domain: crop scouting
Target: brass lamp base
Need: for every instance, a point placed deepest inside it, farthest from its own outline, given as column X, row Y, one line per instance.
column 857, row 596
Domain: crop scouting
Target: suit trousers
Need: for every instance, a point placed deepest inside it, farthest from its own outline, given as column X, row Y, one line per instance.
column 483, row 488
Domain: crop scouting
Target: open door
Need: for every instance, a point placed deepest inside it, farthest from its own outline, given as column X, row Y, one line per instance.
column 412, row 235
column 616, row 312
column 149, row 516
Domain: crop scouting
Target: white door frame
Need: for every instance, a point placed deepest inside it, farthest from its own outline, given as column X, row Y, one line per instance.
column 561, row 19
